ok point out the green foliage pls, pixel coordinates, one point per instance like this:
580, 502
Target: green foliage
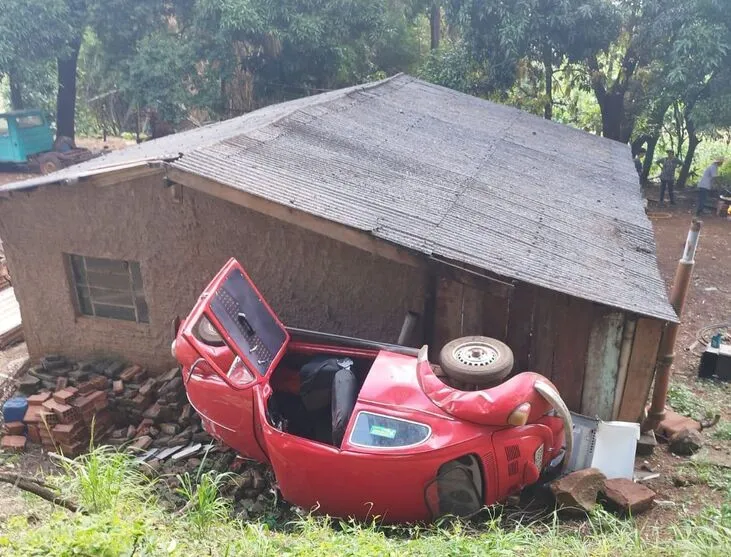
106, 479
686, 402
452, 66
722, 431
204, 506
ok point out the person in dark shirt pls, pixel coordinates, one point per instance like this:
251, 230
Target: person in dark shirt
667, 176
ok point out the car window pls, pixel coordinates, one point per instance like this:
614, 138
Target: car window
29, 121
3, 126
376, 430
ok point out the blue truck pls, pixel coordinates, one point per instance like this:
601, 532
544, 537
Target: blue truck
26, 138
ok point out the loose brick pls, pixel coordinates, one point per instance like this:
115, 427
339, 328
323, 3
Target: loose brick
34, 434
131, 430
185, 414
141, 443
118, 387
147, 387
94, 384
170, 429
38, 399
132, 373
15, 443
61, 383
48, 419
152, 412
15, 428
66, 395
32, 415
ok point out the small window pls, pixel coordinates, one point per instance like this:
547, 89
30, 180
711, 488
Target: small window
4, 127
29, 121
374, 430
109, 288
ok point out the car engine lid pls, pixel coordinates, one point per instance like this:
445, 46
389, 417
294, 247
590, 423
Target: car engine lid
252, 328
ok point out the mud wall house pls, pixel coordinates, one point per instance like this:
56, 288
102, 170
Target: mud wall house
349, 209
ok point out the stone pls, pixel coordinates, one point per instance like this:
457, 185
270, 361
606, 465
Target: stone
675, 423
646, 444
114, 369
173, 385
118, 387
169, 429
578, 490
29, 384
686, 442
627, 496
153, 412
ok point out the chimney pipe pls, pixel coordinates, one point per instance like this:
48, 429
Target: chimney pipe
666, 352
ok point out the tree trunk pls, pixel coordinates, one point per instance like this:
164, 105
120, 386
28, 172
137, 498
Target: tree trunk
66, 98
649, 157
612, 107
435, 20
693, 142
16, 91
548, 70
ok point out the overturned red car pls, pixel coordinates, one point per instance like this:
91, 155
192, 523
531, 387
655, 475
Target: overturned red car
355, 428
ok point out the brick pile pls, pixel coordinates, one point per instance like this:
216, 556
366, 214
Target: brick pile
71, 405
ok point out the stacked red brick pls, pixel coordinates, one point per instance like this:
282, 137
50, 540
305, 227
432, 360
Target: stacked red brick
69, 419
139, 410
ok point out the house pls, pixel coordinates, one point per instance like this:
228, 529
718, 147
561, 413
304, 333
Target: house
350, 209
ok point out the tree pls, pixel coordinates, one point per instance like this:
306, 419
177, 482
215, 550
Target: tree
30, 31
543, 31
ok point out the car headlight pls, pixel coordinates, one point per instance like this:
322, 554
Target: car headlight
172, 349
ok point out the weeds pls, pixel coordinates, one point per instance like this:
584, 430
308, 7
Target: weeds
204, 505
104, 479
686, 402
722, 431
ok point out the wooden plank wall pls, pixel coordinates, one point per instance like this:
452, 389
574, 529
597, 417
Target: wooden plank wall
578, 345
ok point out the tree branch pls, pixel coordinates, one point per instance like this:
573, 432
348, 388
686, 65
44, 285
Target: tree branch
39, 489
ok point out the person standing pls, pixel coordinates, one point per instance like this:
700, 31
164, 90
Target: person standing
667, 176
705, 184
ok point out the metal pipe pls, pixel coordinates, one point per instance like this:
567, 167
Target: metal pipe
408, 329
666, 352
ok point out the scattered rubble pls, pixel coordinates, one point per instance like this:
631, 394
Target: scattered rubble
627, 496
578, 491
686, 442
646, 444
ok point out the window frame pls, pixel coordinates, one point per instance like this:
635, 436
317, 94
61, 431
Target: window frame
22, 121
132, 276
427, 436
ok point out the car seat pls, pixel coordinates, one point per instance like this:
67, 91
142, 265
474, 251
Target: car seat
344, 397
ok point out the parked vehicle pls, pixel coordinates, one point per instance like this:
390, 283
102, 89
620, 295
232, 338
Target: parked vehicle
26, 138
359, 428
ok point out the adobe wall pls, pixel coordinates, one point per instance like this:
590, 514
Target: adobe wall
311, 281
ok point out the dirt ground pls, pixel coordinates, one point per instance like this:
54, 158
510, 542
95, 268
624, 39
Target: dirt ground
708, 303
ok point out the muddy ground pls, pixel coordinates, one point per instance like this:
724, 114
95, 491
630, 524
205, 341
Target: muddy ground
709, 302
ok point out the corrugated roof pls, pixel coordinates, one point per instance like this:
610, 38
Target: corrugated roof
444, 174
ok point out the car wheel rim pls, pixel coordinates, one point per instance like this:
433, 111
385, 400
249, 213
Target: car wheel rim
474, 354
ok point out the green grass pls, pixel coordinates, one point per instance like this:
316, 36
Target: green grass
722, 431
684, 401
123, 519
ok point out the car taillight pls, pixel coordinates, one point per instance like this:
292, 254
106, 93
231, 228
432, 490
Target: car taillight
519, 416
239, 374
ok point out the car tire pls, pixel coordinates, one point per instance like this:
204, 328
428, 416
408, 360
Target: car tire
49, 162
476, 360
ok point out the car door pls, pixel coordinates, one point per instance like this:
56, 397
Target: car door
231, 342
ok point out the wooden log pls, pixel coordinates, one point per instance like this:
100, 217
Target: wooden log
520, 325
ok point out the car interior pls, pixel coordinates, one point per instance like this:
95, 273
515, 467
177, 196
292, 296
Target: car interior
314, 395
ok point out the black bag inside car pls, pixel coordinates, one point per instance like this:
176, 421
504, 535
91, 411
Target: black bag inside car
316, 381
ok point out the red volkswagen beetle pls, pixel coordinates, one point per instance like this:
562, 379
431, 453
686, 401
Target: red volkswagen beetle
354, 428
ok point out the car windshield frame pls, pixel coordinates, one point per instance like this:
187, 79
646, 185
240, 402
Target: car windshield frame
424, 438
